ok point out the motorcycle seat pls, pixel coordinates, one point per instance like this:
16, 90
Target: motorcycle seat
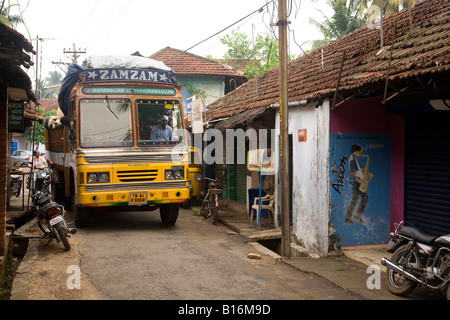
421, 235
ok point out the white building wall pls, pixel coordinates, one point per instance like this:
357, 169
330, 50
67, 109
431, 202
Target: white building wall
310, 191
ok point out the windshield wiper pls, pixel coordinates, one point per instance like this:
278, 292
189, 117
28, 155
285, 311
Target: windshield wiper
107, 101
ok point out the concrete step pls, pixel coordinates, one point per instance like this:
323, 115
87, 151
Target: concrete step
368, 255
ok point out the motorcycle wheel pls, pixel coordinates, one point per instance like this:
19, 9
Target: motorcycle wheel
206, 212
214, 215
63, 236
396, 282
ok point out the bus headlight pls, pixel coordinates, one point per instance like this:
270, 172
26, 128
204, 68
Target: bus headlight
98, 177
178, 174
174, 174
168, 175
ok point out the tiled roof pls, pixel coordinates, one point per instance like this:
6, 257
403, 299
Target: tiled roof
48, 104
13, 55
31, 113
188, 64
422, 47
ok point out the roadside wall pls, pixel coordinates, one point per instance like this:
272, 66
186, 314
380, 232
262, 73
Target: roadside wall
310, 192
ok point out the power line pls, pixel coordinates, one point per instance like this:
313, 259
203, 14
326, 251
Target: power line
260, 9
98, 32
87, 20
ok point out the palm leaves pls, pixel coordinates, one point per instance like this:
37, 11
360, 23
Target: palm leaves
350, 15
11, 20
343, 21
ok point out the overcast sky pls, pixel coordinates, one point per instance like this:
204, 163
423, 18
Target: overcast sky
121, 27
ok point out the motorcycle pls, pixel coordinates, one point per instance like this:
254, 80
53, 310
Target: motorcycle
15, 187
42, 177
419, 259
50, 215
51, 220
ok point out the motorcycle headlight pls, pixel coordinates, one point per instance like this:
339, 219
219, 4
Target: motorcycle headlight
98, 177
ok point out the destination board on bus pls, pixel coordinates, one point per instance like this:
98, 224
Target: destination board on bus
117, 74
128, 90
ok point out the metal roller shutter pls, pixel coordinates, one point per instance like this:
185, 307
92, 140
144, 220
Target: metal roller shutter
241, 183
427, 171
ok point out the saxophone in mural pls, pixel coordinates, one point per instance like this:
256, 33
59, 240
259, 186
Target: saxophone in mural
367, 176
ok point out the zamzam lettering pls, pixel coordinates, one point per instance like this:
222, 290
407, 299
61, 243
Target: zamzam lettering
340, 175
126, 74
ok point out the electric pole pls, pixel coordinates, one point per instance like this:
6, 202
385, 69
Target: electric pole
284, 131
59, 63
74, 53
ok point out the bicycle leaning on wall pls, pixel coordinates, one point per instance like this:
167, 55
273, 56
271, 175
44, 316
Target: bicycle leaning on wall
210, 205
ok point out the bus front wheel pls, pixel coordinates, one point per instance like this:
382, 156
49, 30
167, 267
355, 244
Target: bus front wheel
169, 213
82, 217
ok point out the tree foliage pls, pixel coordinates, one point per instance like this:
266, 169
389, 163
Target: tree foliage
36, 132
343, 21
251, 57
349, 15
11, 20
54, 78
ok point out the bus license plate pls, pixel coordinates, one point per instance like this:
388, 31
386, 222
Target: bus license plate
137, 198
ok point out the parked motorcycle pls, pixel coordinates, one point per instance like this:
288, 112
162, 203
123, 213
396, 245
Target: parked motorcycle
15, 186
50, 214
42, 177
51, 220
16, 180
419, 258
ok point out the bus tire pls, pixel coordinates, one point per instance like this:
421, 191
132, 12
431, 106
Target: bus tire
169, 213
82, 217
186, 204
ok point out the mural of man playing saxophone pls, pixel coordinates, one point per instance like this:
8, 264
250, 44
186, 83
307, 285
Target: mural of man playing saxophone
361, 178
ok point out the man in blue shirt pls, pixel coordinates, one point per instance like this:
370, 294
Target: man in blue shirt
162, 131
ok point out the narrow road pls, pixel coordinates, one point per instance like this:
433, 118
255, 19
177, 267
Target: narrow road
133, 256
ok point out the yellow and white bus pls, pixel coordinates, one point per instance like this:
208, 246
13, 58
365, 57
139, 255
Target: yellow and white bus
103, 153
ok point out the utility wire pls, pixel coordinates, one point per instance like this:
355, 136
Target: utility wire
260, 9
86, 22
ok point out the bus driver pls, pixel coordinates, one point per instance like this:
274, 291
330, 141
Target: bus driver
162, 131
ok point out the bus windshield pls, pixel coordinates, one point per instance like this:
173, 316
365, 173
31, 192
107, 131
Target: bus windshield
159, 122
105, 122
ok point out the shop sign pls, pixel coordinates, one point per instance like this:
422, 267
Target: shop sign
16, 120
